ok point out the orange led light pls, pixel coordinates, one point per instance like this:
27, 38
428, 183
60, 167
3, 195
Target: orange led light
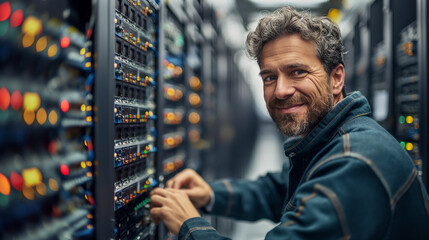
4, 185
41, 44
29, 117
27, 40
52, 51
41, 116
53, 185
53, 117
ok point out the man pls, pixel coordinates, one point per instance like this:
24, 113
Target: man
348, 178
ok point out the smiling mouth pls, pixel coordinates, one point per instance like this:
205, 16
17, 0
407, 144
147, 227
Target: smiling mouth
289, 109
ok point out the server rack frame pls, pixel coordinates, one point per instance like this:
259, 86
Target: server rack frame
422, 26
104, 135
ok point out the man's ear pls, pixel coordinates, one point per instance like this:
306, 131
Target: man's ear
337, 78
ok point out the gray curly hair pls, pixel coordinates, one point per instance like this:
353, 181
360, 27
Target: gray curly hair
321, 30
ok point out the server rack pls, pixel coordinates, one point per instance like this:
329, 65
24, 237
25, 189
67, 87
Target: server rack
47, 120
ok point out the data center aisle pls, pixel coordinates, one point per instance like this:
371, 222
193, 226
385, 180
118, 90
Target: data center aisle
268, 156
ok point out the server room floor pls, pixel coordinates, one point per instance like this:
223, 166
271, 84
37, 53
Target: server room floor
268, 156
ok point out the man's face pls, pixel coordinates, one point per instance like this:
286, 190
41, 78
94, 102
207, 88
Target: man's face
296, 87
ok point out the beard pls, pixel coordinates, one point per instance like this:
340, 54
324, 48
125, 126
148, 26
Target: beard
294, 124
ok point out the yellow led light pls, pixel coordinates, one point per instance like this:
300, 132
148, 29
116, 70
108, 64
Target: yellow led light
27, 40
53, 117
53, 184
31, 176
170, 141
31, 101
41, 116
88, 118
32, 26
170, 92
82, 51
83, 164
409, 146
409, 119
170, 116
52, 51
29, 117
88, 108
41, 44
88, 64
82, 107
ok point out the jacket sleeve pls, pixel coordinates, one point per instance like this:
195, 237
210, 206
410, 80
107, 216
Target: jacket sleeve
341, 200
240, 198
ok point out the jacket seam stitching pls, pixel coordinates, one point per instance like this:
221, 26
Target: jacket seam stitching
359, 157
335, 117
359, 115
404, 188
231, 197
422, 190
196, 229
346, 143
301, 208
337, 206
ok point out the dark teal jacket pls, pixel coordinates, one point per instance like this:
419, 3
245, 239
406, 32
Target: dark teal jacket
348, 179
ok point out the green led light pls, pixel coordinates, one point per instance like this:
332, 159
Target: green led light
4, 26
145, 151
403, 144
402, 119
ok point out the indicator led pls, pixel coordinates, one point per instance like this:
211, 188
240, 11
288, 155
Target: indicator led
83, 107
4, 185
4, 99
82, 51
53, 117
31, 101
402, 119
65, 105
32, 26
409, 119
83, 164
31, 176
194, 118
52, 51
41, 116
27, 40
4, 11
409, 146
65, 42
53, 184
64, 169
402, 144
16, 100
16, 181
41, 44
16, 18
28, 193
29, 117
41, 189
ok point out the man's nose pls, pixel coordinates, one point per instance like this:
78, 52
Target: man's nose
284, 88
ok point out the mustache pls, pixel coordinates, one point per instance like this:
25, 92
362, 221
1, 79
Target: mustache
281, 103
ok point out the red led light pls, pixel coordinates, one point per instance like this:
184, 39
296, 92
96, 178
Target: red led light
4, 99
52, 148
16, 100
65, 42
4, 11
16, 181
64, 169
16, 18
65, 106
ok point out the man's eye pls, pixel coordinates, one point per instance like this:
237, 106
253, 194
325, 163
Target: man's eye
269, 78
299, 73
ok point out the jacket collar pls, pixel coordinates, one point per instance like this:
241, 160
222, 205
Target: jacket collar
354, 105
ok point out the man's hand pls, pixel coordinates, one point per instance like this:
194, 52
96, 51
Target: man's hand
198, 191
172, 207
